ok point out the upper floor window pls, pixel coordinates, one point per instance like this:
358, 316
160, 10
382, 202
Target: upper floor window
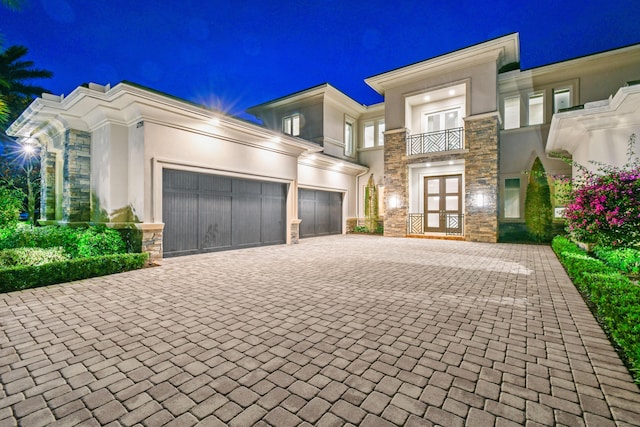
348, 137
373, 134
291, 125
536, 108
561, 99
512, 112
442, 120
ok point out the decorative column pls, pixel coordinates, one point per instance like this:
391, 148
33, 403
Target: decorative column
47, 185
152, 241
395, 183
481, 178
76, 188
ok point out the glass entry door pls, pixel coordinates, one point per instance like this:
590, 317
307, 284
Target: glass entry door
443, 204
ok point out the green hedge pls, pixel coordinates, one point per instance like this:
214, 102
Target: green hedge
77, 242
16, 278
626, 260
31, 256
614, 299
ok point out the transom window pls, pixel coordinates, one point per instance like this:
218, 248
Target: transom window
291, 125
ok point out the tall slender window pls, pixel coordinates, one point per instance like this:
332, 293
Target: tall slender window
512, 198
291, 125
512, 112
348, 138
536, 108
381, 132
369, 135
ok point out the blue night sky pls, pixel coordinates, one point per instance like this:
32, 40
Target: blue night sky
235, 54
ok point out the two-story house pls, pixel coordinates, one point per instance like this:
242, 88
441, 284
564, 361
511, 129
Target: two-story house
449, 148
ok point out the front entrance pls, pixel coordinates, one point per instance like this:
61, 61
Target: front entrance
443, 204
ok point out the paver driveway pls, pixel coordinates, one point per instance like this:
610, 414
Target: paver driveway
344, 330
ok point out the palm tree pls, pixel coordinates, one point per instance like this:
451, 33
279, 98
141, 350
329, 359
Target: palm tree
13, 4
15, 74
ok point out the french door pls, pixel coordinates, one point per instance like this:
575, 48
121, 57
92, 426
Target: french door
443, 204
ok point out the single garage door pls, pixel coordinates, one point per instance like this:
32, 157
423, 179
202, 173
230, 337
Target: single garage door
320, 212
204, 213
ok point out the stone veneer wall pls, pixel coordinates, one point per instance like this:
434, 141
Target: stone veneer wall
76, 189
47, 185
395, 183
152, 241
481, 178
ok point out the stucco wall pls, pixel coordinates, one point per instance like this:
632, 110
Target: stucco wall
212, 155
482, 91
320, 178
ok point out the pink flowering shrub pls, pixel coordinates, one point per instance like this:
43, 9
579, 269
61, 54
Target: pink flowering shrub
604, 207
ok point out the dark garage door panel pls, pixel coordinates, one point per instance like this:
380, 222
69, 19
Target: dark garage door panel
205, 213
320, 212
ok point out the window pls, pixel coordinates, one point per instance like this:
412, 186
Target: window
512, 112
369, 135
512, 198
561, 99
443, 120
291, 125
373, 134
348, 137
536, 108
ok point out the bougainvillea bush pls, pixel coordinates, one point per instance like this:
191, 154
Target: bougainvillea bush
604, 207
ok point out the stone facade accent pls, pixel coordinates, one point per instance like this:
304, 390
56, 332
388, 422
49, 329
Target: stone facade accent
295, 231
481, 178
76, 189
47, 185
395, 183
152, 241
351, 224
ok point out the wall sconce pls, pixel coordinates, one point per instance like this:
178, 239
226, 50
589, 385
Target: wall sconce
479, 202
394, 201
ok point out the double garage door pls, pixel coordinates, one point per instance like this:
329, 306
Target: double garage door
204, 213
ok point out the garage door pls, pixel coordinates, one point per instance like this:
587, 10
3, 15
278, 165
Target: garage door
320, 212
205, 213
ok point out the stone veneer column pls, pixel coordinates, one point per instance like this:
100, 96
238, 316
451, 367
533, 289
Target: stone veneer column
295, 231
47, 185
76, 189
481, 178
152, 241
395, 183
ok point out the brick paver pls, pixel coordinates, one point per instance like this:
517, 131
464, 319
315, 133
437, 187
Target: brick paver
341, 330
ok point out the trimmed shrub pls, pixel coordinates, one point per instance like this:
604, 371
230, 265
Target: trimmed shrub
612, 297
96, 241
537, 205
77, 242
16, 278
31, 256
626, 260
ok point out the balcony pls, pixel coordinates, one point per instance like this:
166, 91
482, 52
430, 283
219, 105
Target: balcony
435, 142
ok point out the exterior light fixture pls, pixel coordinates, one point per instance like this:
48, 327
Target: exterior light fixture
480, 202
394, 201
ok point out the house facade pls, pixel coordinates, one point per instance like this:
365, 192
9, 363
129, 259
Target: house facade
449, 150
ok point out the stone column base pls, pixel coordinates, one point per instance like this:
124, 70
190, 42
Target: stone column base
295, 231
152, 241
